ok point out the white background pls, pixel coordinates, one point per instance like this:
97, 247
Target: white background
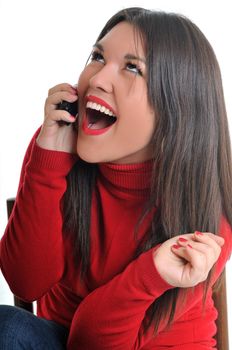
47, 42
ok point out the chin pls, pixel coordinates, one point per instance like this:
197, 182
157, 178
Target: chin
91, 153
89, 156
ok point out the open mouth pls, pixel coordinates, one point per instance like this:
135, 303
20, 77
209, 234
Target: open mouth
98, 118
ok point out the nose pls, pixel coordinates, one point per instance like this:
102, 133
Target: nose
103, 79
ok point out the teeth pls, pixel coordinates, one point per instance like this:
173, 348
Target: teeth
98, 107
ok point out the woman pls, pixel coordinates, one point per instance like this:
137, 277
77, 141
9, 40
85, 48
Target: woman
122, 222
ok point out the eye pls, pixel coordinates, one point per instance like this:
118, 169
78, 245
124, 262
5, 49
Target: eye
131, 67
97, 56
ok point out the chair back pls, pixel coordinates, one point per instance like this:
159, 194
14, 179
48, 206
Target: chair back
17, 301
220, 302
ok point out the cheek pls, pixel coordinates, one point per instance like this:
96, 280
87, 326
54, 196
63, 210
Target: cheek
140, 118
83, 80
136, 132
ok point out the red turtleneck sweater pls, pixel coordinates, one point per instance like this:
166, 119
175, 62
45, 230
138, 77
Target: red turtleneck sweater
106, 310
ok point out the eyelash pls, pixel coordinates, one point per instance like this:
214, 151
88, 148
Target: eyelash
134, 67
96, 56
131, 67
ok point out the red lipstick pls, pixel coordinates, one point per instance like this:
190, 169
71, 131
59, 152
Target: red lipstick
100, 102
86, 123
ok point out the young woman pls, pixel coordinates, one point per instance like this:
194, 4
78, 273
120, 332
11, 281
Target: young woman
122, 222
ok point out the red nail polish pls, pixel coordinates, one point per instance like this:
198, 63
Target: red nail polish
198, 233
176, 246
181, 239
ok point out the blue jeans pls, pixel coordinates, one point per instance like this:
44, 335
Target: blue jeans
20, 329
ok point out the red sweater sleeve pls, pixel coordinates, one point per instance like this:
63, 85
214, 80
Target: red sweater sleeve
32, 243
111, 316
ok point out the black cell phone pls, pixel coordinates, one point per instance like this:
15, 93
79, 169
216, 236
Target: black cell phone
71, 107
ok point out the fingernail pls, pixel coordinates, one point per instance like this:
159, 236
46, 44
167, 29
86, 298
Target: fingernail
176, 246
181, 239
198, 233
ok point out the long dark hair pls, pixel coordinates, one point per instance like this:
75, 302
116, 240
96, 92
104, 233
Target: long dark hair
192, 181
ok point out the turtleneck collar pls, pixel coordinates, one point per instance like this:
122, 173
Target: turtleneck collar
127, 179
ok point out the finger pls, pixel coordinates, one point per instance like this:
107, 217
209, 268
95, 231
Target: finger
61, 96
209, 242
183, 241
183, 251
196, 268
211, 251
53, 100
59, 116
207, 236
62, 87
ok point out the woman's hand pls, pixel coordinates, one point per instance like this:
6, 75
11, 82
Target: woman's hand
185, 260
55, 134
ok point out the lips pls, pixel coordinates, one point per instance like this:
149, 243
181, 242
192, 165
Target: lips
99, 116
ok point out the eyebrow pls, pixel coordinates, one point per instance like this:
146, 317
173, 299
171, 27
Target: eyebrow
127, 56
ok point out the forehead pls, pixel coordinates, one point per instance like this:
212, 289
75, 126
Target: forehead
124, 36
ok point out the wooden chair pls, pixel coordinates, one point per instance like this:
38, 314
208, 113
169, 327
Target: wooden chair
18, 302
220, 301
219, 297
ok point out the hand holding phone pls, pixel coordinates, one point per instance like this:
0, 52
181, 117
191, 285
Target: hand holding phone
54, 134
71, 107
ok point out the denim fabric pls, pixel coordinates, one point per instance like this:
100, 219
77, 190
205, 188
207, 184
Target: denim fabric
20, 329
